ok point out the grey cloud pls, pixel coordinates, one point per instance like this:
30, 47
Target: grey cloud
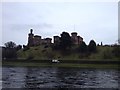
28, 26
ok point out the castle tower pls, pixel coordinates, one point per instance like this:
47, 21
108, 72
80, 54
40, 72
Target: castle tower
37, 40
80, 39
48, 40
31, 38
74, 34
74, 38
56, 39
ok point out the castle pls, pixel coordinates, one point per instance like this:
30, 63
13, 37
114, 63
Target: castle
36, 40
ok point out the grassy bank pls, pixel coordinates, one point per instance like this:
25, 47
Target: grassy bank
69, 65
43, 52
40, 56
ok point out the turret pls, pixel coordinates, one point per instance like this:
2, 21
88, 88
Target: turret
56, 39
31, 30
74, 34
31, 38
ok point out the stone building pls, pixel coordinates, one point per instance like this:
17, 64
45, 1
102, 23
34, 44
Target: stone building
31, 38
80, 39
46, 41
36, 40
56, 39
75, 39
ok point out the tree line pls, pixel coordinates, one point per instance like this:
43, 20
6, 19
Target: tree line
10, 50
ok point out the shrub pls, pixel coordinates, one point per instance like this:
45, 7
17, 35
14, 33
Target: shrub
30, 57
25, 48
92, 46
10, 50
107, 54
82, 48
19, 47
116, 51
10, 53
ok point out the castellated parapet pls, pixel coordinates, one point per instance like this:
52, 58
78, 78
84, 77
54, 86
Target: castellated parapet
75, 39
56, 39
36, 40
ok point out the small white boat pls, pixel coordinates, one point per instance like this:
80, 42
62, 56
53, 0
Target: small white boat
55, 61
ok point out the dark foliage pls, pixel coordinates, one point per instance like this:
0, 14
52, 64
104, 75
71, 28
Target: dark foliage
101, 44
43, 50
83, 48
19, 47
92, 46
9, 51
116, 50
10, 44
55, 47
46, 46
65, 41
107, 54
30, 57
25, 48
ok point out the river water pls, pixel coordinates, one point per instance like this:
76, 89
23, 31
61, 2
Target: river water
53, 77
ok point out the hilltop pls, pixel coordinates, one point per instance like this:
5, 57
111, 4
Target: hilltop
76, 56
65, 47
44, 52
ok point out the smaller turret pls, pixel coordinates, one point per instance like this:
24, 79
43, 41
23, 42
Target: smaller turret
31, 38
74, 34
56, 39
31, 30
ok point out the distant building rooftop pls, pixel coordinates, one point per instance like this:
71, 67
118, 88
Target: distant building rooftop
74, 33
37, 36
48, 38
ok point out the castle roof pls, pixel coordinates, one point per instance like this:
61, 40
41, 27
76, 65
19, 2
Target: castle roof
56, 36
37, 36
74, 33
48, 38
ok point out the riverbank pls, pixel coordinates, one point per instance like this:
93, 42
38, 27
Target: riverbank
46, 52
69, 64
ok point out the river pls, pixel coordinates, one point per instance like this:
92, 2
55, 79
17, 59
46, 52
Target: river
53, 77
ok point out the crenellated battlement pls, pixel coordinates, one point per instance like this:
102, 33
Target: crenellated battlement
35, 40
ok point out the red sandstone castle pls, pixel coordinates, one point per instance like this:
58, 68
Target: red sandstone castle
37, 40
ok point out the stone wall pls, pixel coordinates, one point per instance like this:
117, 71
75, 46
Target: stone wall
36, 40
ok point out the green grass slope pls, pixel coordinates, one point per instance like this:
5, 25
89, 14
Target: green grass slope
42, 52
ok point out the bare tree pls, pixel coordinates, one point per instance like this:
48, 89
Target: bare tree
10, 44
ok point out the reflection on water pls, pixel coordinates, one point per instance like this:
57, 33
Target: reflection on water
26, 77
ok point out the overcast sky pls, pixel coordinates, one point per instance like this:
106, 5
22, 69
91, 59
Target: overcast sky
91, 20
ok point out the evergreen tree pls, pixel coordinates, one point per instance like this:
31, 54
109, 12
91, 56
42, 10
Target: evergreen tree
65, 41
83, 47
101, 44
92, 46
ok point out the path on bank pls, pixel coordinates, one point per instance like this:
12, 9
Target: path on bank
66, 61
